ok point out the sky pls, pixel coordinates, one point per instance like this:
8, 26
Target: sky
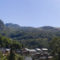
34, 13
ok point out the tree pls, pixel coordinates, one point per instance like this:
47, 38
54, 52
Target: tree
12, 54
55, 47
1, 55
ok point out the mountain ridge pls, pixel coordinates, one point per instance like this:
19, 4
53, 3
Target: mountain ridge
30, 36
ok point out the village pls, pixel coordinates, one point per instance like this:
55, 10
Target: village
37, 53
30, 54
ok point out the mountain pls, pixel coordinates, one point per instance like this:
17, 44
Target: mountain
1, 25
12, 26
20, 32
47, 27
29, 36
16, 27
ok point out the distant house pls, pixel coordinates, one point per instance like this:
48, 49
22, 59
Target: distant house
32, 51
29, 51
25, 51
44, 50
38, 50
37, 53
5, 51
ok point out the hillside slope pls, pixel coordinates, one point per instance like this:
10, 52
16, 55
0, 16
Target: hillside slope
29, 36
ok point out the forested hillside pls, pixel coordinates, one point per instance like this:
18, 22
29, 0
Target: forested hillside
29, 36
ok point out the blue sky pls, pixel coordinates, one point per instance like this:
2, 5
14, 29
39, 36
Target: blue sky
33, 13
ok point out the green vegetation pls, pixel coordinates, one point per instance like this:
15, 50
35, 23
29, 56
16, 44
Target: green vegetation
13, 44
55, 48
19, 37
6, 43
14, 56
28, 36
11, 56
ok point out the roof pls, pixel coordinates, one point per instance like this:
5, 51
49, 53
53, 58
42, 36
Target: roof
44, 49
32, 50
27, 49
38, 49
7, 49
